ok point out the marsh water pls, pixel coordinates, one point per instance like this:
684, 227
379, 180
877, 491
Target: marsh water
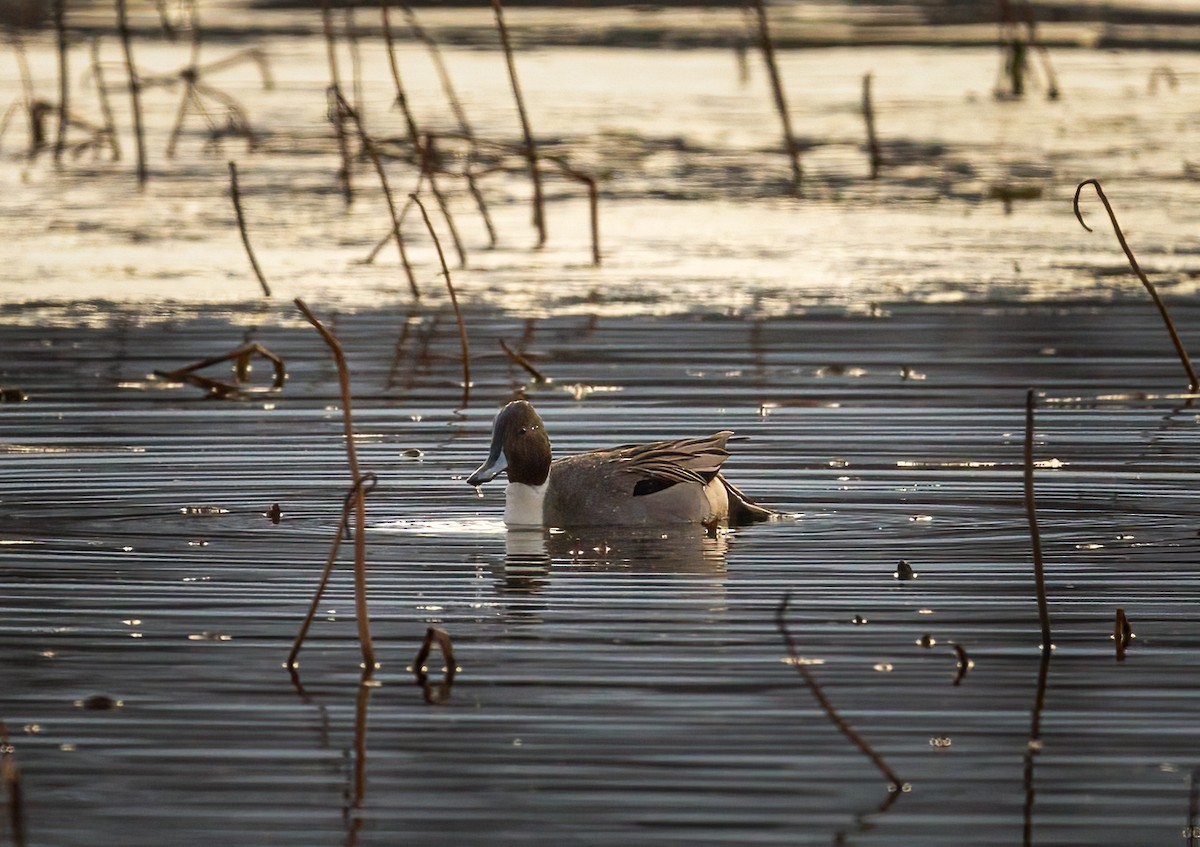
871, 343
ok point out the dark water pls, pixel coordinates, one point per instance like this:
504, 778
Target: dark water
613, 690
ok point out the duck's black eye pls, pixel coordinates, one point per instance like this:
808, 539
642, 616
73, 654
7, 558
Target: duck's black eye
524, 430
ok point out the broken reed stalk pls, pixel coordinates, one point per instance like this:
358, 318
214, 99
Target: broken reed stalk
868, 110
462, 327
64, 82
1193, 381
1122, 634
838, 721
241, 357
335, 87
343, 108
364, 486
135, 90
520, 360
439, 636
360, 511
10, 775
241, 222
539, 204
1035, 537
768, 51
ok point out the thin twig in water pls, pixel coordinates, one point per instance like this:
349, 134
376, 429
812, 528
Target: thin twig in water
241, 222
1035, 536
368, 144
539, 204
360, 512
802, 668
462, 327
1193, 381
768, 51
135, 88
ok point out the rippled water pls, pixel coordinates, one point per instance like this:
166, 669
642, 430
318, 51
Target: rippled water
612, 689
871, 343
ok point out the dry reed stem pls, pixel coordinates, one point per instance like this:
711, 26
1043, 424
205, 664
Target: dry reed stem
520, 360
439, 65
462, 327
361, 701
364, 486
135, 89
369, 146
110, 124
10, 775
356, 77
414, 134
531, 155
64, 81
360, 512
768, 51
1034, 746
429, 166
236, 196
1193, 382
593, 201
335, 87
868, 110
838, 721
1035, 537
408, 204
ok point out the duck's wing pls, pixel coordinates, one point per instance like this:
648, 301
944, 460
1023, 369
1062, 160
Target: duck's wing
661, 464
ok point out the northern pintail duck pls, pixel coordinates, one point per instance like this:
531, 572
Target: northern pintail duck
660, 483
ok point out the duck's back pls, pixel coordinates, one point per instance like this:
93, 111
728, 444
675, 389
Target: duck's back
597, 489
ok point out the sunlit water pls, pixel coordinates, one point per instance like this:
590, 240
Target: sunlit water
872, 343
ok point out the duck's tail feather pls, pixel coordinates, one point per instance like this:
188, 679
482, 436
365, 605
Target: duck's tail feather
742, 509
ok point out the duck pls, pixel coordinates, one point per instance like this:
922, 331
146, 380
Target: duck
660, 483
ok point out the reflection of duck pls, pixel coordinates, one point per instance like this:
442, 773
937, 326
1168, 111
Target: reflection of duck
656, 484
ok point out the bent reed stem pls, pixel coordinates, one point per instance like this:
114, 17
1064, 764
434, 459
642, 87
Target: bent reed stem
1193, 381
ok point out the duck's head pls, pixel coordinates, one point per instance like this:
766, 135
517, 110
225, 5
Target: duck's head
519, 445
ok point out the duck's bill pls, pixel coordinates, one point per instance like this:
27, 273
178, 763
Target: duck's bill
489, 470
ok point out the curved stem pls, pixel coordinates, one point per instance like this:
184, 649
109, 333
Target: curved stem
1193, 381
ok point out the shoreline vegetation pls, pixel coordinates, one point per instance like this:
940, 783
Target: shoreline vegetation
675, 24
